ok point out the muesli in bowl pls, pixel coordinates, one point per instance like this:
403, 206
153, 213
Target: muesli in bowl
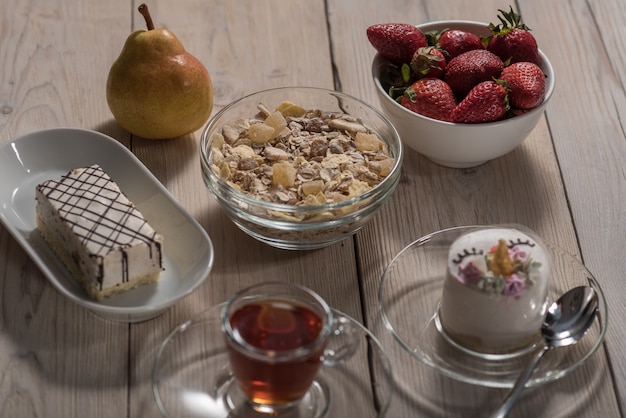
300, 167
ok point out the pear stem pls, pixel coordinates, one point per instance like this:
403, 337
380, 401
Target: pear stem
143, 9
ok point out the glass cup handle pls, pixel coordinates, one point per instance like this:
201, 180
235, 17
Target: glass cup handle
342, 344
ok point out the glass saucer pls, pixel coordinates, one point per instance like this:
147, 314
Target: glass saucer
191, 377
409, 297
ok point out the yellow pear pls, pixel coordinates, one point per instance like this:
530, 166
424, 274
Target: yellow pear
156, 89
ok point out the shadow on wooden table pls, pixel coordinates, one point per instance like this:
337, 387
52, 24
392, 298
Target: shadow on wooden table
445, 397
52, 335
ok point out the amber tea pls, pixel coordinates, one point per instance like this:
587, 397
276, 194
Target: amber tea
275, 326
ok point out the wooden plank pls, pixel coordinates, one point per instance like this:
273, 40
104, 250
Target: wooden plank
51, 349
585, 120
523, 187
59, 360
246, 46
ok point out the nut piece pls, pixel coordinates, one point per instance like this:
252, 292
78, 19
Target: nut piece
277, 121
260, 133
345, 125
275, 154
233, 130
367, 142
289, 109
284, 174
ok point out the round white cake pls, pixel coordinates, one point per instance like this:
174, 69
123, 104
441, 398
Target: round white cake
495, 291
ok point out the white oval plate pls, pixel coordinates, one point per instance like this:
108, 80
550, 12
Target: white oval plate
47, 154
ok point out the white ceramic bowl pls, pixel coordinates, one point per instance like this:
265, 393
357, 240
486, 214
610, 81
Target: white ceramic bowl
460, 145
278, 224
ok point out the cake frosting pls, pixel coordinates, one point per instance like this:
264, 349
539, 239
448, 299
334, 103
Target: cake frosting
495, 291
98, 232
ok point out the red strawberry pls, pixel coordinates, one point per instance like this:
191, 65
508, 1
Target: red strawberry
430, 97
428, 62
397, 42
455, 42
470, 68
512, 40
526, 83
487, 102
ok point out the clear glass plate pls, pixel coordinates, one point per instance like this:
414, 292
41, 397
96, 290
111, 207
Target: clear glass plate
191, 377
409, 297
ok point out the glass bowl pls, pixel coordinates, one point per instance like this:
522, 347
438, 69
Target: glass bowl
295, 226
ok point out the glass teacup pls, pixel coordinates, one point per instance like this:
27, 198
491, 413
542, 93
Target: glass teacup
277, 335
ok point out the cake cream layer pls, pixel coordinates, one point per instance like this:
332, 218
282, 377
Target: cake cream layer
486, 310
98, 232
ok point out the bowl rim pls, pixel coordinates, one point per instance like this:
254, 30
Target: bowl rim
386, 184
545, 65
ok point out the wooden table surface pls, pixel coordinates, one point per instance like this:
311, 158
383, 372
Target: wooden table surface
566, 181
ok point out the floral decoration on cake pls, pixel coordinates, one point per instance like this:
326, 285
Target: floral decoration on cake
505, 269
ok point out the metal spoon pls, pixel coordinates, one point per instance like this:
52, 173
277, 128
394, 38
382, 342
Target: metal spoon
567, 320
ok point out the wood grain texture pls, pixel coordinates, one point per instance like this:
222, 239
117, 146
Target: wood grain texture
523, 187
566, 182
246, 49
590, 140
57, 359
